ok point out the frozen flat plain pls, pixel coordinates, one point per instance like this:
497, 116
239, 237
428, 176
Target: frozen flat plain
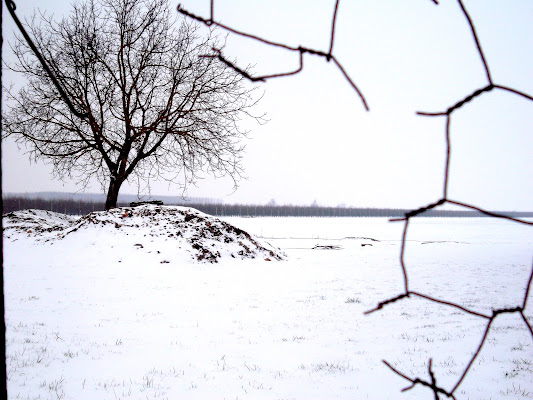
97, 318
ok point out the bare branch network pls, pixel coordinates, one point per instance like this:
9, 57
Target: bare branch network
136, 99
431, 384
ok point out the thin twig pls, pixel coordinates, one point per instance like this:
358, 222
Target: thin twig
11, 7
478, 45
508, 89
448, 154
528, 286
474, 356
433, 386
527, 323
489, 213
402, 257
333, 29
447, 303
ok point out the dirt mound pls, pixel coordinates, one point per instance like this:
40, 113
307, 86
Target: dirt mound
35, 222
205, 237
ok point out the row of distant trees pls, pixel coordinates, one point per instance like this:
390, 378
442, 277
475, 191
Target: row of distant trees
82, 207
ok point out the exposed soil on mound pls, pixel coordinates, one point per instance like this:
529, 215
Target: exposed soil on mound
205, 237
35, 222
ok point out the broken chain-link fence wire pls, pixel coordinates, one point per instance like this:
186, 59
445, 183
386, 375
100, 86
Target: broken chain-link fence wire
217, 53
491, 85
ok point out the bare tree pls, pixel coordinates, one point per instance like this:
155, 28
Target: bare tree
149, 103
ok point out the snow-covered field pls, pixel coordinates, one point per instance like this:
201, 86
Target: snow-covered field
93, 315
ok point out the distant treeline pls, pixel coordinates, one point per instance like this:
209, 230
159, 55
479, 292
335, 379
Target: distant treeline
82, 207
64, 206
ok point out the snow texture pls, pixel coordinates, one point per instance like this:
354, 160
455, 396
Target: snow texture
90, 314
35, 223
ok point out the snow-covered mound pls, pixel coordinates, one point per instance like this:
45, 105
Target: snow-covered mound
35, 222
204, 237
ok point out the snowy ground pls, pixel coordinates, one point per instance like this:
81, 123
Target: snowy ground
92, 316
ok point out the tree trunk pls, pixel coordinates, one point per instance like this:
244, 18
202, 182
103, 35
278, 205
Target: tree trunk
112, 193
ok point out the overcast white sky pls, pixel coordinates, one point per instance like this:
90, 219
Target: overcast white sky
320, 143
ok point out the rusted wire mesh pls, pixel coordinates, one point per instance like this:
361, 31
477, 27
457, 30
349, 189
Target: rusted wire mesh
447, 114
